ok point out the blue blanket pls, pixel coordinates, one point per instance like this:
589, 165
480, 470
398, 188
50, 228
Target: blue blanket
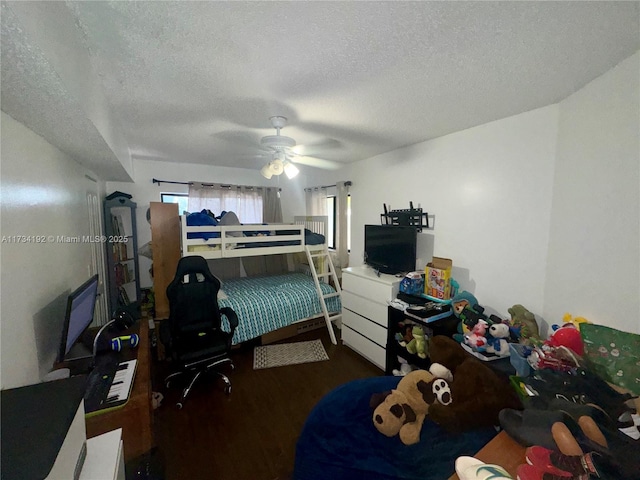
339, 441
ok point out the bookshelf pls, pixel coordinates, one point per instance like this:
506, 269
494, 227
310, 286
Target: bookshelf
122, 253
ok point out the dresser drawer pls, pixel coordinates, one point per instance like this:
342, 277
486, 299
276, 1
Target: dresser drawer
365, 327
364, 346
370, 289
367, 308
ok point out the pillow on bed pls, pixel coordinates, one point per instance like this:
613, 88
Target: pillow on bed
230, 218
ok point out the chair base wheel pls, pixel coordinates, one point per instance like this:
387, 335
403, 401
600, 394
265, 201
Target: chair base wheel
227, 389
179, 405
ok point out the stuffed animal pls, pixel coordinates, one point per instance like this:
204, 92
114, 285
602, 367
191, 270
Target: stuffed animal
402, 411
567, 318
405, 335
497, 340
418, 345
524, 325
465, 307
477, 340
475, 396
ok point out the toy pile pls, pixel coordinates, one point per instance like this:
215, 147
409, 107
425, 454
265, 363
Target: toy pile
488, 336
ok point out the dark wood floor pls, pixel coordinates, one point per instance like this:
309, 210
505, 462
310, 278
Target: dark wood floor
251, 434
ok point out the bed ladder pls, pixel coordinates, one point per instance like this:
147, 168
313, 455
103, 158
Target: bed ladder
327, 271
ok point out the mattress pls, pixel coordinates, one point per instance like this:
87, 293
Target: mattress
264, 304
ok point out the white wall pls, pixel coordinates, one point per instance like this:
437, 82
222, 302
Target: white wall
541, 209
489, 189
145, 191
43, 193
593, 265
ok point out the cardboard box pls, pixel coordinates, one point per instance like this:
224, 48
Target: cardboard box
437, 282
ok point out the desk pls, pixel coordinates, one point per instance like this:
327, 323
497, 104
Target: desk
503, 451
136, 416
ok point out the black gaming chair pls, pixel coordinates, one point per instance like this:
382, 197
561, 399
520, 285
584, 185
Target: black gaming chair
193, 336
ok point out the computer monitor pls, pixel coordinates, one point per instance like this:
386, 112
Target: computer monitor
81, 305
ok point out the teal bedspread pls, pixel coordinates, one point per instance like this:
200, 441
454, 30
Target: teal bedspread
264, 304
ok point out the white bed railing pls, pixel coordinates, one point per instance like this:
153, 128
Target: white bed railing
232, 240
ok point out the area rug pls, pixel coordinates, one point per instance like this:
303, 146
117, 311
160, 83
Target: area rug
288, 354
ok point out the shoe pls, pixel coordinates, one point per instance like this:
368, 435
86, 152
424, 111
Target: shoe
591, 465
470, 468
531, 472
531, 427
565, 440
575, 410
554, 462
582, 387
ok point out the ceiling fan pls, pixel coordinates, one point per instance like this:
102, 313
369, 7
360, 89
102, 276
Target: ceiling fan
280, 147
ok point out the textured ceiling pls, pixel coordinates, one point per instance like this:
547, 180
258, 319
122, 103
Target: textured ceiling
197, 81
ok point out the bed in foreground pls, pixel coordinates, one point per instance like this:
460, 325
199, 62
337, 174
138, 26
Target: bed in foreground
340, 442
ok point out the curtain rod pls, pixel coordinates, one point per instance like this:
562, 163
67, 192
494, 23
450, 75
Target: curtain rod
155, 180
346, 184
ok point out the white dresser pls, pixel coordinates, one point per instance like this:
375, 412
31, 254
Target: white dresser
364, 311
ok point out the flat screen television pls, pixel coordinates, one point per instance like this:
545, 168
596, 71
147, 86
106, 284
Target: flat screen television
390, 248
81, 305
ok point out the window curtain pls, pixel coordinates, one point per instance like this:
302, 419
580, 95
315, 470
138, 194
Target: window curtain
342, 232
271, 206
316, 200
245, 202
271, 213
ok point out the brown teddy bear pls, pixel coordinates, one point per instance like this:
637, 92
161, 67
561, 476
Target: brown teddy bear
475, 396
402, 410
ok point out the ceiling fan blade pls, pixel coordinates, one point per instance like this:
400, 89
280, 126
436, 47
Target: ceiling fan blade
316, 162
317, 147
256, 156
240, 139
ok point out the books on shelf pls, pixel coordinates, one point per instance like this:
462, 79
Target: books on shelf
120, 252
125, 273
123, 298
118, 225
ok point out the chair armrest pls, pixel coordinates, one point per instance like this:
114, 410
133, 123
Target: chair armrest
165, 333
231, 317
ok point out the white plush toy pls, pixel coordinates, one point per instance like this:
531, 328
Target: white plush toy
497, 342
440, 371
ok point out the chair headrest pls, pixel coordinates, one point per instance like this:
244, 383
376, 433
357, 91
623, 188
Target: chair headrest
194, 264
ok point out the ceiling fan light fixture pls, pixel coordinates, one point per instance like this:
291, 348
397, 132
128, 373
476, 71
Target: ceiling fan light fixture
277, 167
266, 171
291, 170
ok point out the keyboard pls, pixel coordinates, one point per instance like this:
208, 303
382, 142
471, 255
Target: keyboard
109, 385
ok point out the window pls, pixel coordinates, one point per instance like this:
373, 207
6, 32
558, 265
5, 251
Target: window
246, 202
331, 227
331, 230
182, 199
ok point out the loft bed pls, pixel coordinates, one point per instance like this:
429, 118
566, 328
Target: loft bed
267, 303
232, 241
